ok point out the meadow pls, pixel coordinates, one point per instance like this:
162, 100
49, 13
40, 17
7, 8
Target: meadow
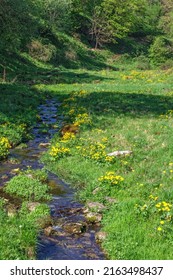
128, 110
108, 63
114, 109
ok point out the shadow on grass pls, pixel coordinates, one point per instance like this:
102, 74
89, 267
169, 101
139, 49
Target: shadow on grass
18, 103
70, 77
132, 104
22, 70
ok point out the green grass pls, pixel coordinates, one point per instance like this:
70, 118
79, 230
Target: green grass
19, 224
27, 188
115, 110
19, 231
126, 110
18, 113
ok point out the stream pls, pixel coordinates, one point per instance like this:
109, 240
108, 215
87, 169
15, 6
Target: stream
70, 237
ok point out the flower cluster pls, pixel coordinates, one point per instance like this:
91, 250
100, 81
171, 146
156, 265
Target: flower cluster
4, 147
111, 178
67, 136
57, 152
163, 206
73, 112
162, 211
152, 197
81, 119
134, 75
97, 152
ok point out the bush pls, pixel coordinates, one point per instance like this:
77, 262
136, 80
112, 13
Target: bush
161, 50
142, 62
41, 51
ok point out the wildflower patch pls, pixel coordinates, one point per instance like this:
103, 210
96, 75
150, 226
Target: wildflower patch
4, 147
57, 151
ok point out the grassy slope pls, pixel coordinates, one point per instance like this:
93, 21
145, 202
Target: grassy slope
18, 113
125, 107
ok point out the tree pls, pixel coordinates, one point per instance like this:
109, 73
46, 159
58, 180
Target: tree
99, 31
114, 19
166, 20
18, 23
147, 18
57, 14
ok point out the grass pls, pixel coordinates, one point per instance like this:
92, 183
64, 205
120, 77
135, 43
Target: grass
18, 113
28, 188
127, 110
23, 213
19, 231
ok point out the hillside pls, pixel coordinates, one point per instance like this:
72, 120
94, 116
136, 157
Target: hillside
86, 97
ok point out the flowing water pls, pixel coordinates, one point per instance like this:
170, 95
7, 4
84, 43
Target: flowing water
70, 237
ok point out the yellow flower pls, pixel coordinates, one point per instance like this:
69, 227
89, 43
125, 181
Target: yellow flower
111, 178
159, 229
108, 159
158, 205
104, 139
82, 92
68, 136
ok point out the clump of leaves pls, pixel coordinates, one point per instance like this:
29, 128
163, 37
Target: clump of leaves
28, 188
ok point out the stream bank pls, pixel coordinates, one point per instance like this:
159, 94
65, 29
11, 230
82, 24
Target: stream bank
69, 236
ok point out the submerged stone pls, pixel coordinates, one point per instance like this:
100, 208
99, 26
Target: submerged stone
75, 227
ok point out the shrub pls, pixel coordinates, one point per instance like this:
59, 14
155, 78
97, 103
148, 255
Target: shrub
41, 51
161, 50
142, 62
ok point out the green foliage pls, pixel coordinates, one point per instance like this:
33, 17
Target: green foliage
27, 188
17, 23
4, 147
57, 14
161, 50
41, 51
14, 133
165, 22
40, 211
146, 20
39, 174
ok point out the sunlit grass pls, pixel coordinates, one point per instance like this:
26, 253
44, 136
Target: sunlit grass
131, 110
114, 111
